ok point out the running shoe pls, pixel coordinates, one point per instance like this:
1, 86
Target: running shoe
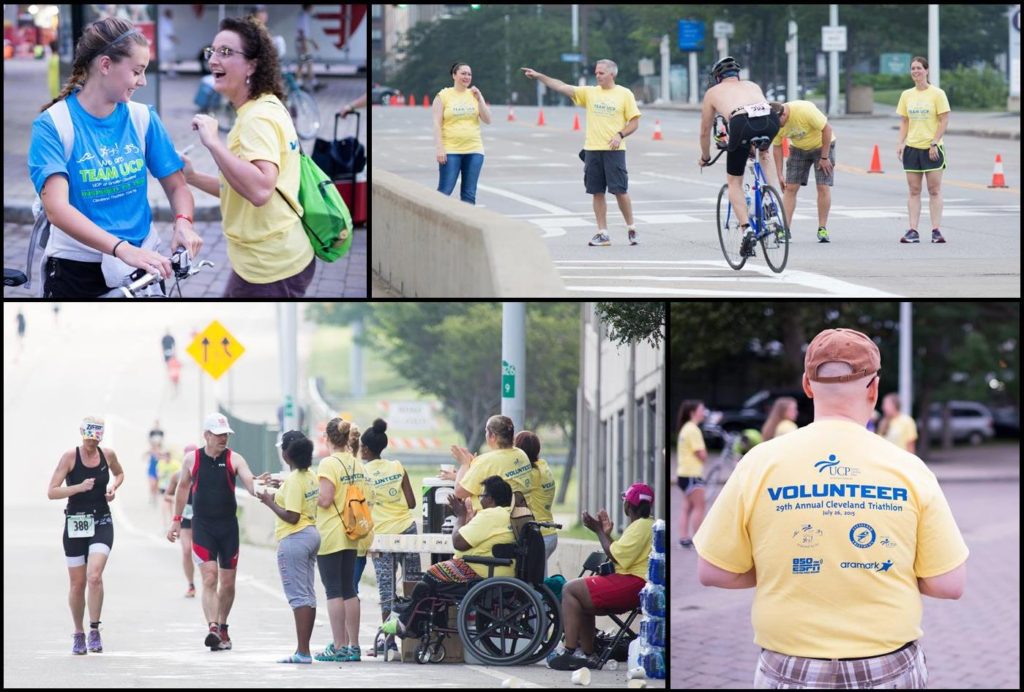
191, 593
225, 640
95, 644
822, 234
910, 236
593, 661
632, 237
213, 637
78, 648
937, 237
685, 542
297, 658
567, 661
352, 654
600, 240
329, 654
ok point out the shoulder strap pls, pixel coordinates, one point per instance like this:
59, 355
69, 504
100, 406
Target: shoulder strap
140, 119
61, 117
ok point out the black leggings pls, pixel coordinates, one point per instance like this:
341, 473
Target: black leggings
338, 573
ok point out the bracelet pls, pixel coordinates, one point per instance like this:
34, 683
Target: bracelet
176, 517
187, 218
113, 251
621, 136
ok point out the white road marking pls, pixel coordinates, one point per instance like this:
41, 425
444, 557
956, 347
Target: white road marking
549, 208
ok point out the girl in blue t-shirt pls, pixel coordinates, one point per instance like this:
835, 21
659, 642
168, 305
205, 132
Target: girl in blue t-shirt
96, 199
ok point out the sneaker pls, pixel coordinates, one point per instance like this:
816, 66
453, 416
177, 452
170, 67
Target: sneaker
353, 655
95, 644
213, 637
328, 655
225, 640
567, 661
297, 658
600, 240
937, 237
558, 651
632, 236
593, 661
78, 648
822, 234
747, 245
191, 593
685, 542
910, 236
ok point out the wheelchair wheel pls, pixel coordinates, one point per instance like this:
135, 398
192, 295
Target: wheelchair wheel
553, 628
502, 621
437, 651
423, 652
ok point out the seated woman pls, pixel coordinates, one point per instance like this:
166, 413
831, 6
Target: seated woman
584, 598
474, 534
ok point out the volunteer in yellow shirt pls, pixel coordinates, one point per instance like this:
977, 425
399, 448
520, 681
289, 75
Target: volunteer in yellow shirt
503, 459
294, 504
924, 117
336, 558
612, 116
616, 592
781, 419
258, 184
458, 112
393, 505
542, 493
835, 527
474, 536
690, 455
807, 127
897, 427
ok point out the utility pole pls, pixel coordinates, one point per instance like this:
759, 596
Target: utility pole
286, 335
513, 362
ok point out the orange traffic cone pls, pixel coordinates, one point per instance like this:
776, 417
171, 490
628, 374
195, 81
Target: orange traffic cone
511, 114
576, 122
426, 101
657, 131
412, 100
540, 120
998, 179
394, 100
785, 147
876, 162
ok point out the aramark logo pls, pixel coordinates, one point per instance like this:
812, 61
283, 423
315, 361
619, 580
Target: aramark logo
834, 469
873, 566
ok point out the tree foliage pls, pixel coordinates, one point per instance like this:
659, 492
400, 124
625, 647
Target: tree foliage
633, 322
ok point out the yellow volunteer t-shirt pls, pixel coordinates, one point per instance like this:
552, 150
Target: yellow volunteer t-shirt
512, 464
460, 124
542, 495
608, 111
488, 528
632, 551
691, 440
342, 470
298, 493
839, 524
922, 109
803, 126
267, 243
785, 426
902, 430
391, 514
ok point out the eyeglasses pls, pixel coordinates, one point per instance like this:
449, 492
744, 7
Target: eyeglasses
223, 52
483, 495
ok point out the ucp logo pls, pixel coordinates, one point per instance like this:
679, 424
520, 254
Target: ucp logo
834, 469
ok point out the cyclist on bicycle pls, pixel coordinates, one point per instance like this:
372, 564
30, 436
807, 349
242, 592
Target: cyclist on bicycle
743, 105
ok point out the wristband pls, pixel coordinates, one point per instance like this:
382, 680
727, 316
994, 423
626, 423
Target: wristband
621, 136
176, 517
113, 250
187, 218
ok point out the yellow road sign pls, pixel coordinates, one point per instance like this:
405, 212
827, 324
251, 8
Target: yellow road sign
215, 349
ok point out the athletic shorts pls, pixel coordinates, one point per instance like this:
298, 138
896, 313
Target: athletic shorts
904, 668
605, 169
741, 130
800, 162
690, 483
917, 161
615, 592
76, 549
215, 539
337, 572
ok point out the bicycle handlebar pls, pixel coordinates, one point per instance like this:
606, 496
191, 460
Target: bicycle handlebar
181, 265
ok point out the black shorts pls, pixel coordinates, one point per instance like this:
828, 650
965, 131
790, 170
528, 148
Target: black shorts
65, 278
605, 169
216, 539
917, 161
690, 483
75, 548
337, 572
741, 130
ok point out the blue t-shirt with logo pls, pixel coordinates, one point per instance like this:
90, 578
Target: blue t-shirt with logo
107, 172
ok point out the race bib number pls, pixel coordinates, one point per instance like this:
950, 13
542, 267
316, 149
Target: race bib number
758, 110
81, 526
187, 512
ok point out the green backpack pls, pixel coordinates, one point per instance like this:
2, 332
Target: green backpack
326, 219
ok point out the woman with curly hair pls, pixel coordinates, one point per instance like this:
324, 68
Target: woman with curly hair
258, 183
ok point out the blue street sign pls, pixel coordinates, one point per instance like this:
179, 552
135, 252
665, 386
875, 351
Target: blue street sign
691, 35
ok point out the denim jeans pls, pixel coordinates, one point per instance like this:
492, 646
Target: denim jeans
469, 165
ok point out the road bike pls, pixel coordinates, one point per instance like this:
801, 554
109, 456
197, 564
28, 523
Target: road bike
142, 284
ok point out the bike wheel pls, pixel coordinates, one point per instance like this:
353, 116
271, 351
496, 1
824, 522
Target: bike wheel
775, 230
305, 113
729, 236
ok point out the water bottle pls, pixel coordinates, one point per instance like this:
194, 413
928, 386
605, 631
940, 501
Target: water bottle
612, 664
654, 663
659, 536
653, 631
652, 600
656, 569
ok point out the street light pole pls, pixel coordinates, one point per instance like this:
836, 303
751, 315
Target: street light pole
513, 362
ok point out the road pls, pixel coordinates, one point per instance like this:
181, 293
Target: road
108, 363
533, 173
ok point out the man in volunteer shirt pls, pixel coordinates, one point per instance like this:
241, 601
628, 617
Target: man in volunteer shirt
616, 592
504, 460
807, 127
840, 532
612, 116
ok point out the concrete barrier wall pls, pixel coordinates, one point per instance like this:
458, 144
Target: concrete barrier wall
429, 245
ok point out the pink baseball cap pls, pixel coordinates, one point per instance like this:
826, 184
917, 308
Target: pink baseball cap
637, 493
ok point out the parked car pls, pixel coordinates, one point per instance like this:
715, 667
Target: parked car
969, 420
777, 92
1007, 421
754, 411
381, 95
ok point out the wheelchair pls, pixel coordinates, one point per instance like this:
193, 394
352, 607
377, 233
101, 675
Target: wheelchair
608, 646
501, 621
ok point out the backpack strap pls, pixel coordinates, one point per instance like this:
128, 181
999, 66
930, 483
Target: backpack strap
140, 119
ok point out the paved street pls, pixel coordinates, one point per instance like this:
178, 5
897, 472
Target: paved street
533, 173
970, 643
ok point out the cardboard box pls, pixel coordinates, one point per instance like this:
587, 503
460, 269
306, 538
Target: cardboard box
452, 643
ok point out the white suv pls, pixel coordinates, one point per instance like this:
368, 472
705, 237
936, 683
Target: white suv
969, 420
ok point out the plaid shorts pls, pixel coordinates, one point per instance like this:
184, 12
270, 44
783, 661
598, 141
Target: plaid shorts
800, 162
900, 669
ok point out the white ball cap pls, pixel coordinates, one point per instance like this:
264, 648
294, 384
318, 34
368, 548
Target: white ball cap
217, 424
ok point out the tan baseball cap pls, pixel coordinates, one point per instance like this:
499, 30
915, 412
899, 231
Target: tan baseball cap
842, 346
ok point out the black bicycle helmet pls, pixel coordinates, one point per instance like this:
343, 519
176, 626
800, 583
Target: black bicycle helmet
723, 67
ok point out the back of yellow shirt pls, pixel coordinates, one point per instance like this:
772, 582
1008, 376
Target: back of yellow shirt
460, 123
342, 470
542, 495
267, 243
608, 111
391, 513
803, 126
839, 524
691, 440
922, 109
902, 430
511, 464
